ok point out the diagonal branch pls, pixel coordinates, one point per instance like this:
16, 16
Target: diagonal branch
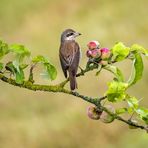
58, 88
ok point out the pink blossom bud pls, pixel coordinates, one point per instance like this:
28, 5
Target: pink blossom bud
88, 53
93, 113
106, 50
105, 117
96, 53
93, 44
105, 53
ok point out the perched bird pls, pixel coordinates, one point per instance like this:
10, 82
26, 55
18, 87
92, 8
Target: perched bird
69, 54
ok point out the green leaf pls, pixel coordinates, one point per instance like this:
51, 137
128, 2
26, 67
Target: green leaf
17, 72
40, 59
130, 110
23, 66
138, 48
120, 51
44, 75
116, 91
10, 67
16, 64
116, 71
19, 49
50, 69
137, 70
121, 110
19, 76
133, 102
21, 52
52, 72
1, 66
4, 49
143, 113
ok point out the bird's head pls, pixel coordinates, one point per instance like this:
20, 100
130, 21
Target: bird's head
69, 34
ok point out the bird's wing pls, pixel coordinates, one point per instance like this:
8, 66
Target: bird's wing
75, 59
69, 56
63, 65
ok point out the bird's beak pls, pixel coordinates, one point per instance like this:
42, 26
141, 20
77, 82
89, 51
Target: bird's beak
77, 34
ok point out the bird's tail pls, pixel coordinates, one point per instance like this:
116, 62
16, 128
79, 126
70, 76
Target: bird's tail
72, 79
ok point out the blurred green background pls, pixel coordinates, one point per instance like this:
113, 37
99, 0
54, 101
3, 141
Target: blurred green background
49, 120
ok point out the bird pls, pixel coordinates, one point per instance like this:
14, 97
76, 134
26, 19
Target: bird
69, 54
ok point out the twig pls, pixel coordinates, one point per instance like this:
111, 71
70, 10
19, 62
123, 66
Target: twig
30, 79
87, 69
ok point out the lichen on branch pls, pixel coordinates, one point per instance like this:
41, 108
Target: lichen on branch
98, 59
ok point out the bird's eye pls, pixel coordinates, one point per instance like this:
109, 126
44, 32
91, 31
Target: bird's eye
69, 34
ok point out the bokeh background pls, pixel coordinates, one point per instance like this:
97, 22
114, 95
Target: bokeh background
51, 120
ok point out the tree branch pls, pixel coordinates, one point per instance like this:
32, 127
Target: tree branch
59, 88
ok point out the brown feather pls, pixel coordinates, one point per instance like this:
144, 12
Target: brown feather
69, 58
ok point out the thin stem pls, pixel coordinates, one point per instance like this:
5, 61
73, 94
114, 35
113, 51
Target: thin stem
31, 73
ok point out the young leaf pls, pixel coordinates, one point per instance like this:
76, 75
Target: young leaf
1, 66
3, 49
121, 110
138, 48
10, 67
20, 51
50, 69
130, 110
116, 71
44, 75
120, 51
40, 59
23, 66
16, 64
116, 91
143, 113
137, 70
133, 102
52, 72
17, 72
19, 76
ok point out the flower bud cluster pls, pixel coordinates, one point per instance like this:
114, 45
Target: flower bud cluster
94, 113
94, 51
